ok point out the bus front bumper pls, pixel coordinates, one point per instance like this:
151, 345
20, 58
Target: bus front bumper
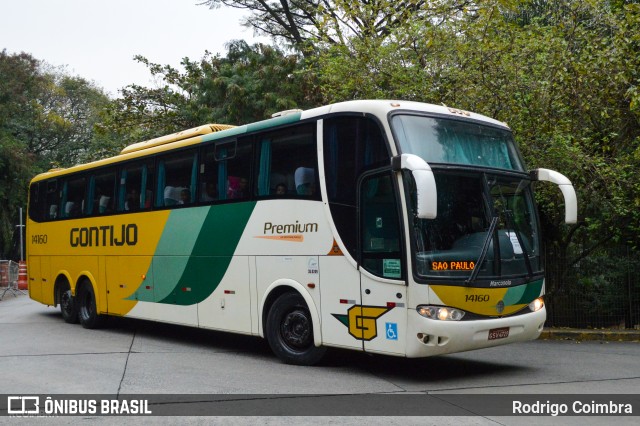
427, 337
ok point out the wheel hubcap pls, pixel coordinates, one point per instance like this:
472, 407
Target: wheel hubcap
66, 301
296, 330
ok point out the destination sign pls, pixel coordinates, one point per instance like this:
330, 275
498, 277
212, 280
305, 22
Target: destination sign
453, 265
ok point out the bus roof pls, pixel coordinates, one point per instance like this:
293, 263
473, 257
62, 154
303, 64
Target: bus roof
174, 137
209, 132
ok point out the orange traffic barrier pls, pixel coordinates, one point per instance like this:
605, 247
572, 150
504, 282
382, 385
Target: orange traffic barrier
23, 284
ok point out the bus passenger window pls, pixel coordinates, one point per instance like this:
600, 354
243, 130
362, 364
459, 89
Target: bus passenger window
36, 201
287, 163
238, 187
225, 172
103, 201
177, 179
305, 181
134, 190
102, 188
210, 192
185, 196
73, 197
52, 200
209, 176
132, 201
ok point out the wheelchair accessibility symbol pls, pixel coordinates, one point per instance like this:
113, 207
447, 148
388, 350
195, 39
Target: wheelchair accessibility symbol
392, 330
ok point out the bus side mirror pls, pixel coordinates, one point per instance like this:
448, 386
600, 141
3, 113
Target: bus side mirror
569, 193
426, 192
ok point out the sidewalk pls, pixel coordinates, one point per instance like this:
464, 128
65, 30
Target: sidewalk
605, 335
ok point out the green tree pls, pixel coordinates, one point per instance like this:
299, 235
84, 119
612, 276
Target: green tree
306, 25
248, 84
15, 171
562, 74
46, 116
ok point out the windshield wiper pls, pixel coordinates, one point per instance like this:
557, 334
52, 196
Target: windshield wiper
483, 253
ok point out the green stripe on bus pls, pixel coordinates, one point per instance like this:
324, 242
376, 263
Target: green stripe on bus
212, 252
274, 122
532, 292
514, 294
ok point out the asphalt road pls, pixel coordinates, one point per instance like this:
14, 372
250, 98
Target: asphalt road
41, 354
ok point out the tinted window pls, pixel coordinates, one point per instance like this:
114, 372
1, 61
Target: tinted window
352, 145
73, 197
177, 176
225, 173
135, 187
37, 195
380, 227
52, 200
288, 165
101, 193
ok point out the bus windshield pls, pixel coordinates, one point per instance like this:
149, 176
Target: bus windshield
481, 217
440, 141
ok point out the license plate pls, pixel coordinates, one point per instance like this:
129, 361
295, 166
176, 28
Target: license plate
498, 333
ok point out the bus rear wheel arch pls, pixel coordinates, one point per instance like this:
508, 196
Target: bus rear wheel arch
289, 331
87, 306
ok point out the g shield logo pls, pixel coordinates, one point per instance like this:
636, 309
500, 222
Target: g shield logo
361, 320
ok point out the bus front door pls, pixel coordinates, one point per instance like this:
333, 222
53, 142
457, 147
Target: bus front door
383, 316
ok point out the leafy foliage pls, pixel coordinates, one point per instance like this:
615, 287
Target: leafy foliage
247, 85
306, 25
562, 74
46, 116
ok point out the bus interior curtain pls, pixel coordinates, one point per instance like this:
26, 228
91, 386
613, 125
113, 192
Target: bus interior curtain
223, 185
368, 144
63, 203
264, 176
91, 195
462, 153
501, 155
332, 159
194, 177
143, 186
122, 190
161, 184
487, 151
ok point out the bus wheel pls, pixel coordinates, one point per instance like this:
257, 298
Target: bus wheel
290, 331
87, 309
68, 305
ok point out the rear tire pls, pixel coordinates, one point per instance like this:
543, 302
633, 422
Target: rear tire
87, 308
290, 331
68, 305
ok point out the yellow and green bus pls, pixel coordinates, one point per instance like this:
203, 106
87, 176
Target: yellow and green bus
389, 227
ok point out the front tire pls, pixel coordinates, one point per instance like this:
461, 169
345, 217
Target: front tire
87, 308
290, 331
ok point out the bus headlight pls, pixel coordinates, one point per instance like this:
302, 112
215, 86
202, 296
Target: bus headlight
441, 313
536, 305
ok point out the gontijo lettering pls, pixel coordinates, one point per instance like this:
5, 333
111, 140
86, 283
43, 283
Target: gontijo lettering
103, 236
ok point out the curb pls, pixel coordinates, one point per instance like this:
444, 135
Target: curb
582, 335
